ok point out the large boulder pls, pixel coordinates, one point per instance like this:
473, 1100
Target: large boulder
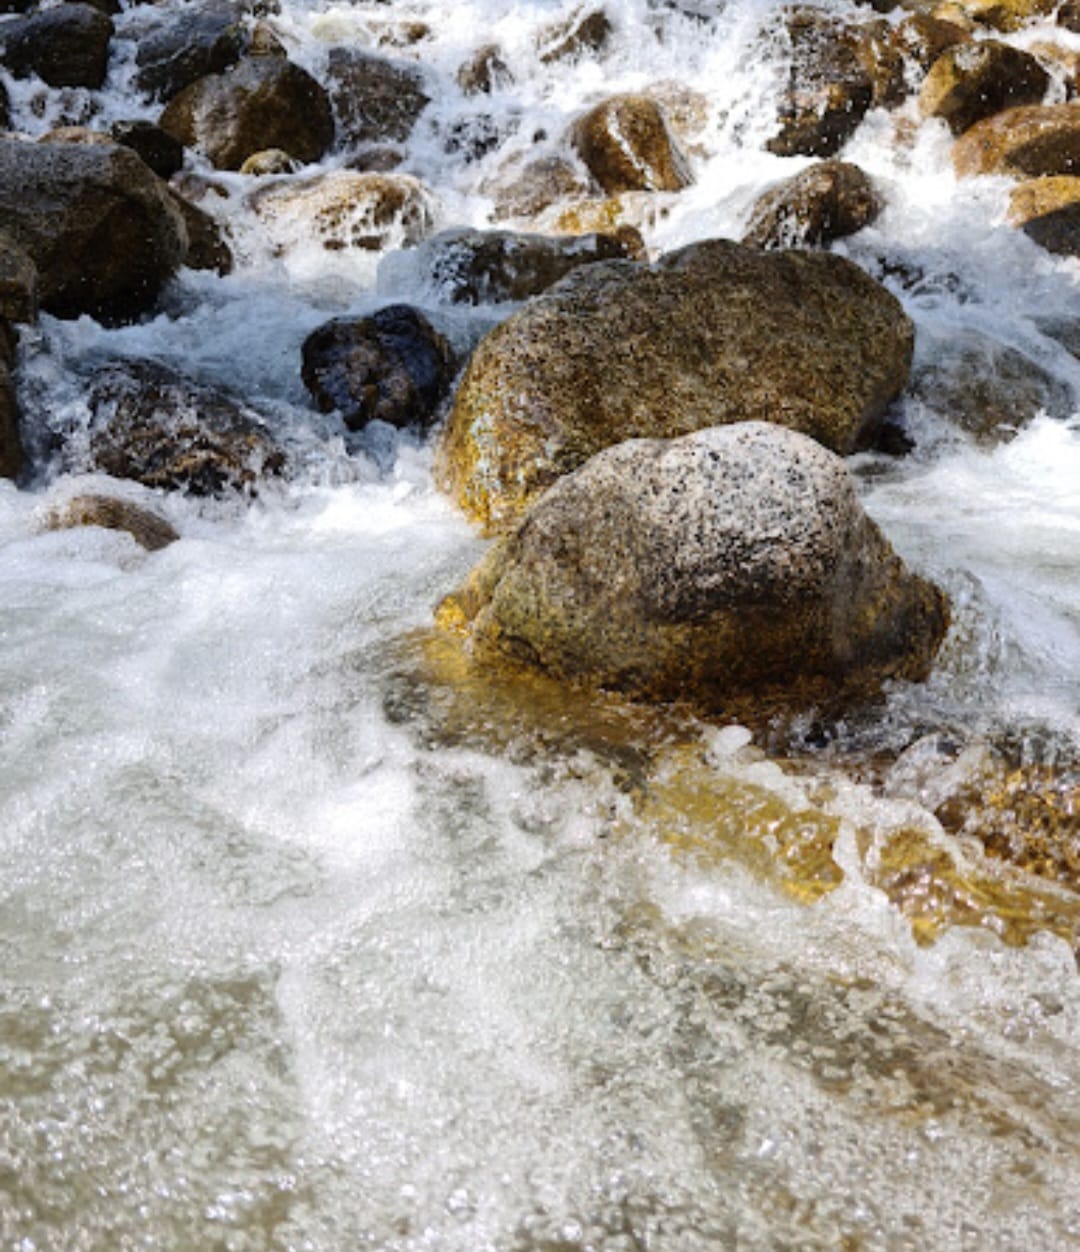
375, 100
393, 367
716, 333
1048, 211
971, 81
67, 46
827, 201
733, 561
157, 427
625, 143
1035, 140
100, 228
187, 45
262, 102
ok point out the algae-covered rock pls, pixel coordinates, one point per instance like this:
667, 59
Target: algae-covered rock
825, 202
716, 333
625, 143
147, 529
1034, 140
733, 561
972, 81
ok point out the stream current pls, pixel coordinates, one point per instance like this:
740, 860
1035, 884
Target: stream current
304, 945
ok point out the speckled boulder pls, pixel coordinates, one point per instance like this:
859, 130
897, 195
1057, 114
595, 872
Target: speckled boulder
971, 81
625, 143
734, 561
375, 100
67, 46
716, 333
824, 202
187, 44
262, 102
1035, 140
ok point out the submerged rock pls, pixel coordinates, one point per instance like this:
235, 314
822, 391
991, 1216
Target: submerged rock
716, 333
733, 561
625, 143
147, 529
538, 184
262, 102
823, 203
1035, 140
100, 227
392, 367
66, 46
483, 71
157, 427
975, 80
375, 100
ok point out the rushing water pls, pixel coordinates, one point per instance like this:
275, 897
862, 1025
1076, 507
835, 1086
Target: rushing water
309, 940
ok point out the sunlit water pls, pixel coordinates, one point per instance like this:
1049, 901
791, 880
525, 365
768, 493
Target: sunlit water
302, 947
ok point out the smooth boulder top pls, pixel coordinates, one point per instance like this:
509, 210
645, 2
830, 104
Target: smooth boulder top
733, 561
714, 333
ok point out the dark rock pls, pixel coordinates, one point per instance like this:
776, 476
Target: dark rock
155, 426
492, 266
1068, 15
98, 225
67, 46
484, 71
206, 247
823, 203
18, 283
923, 38
732, 562
198, 41
147, 529
971, 81
11, 454
375, 100
163, 153
392, 367
262, 102
584, 32
625, 143
716, 333
1036, 140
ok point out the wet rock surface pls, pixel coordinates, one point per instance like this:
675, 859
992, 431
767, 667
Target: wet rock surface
972, 81
144, 526
375, 100
1048, 211
825, 202
626, 145
183, 47
1032, 140
66, 46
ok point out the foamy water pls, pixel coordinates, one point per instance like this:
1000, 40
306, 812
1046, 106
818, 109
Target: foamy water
300, 951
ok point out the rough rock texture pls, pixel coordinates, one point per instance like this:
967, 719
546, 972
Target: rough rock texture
269, 161
161, 429
1048, 211
492, 266
732, 561
972, 81
535, 186
375, 100
585, 31
626, 145
101, 229
18, 283
1005, 15
67, 46
716, 333
393, 366
206, 247
922, 38
346, 210
11, 455
161, 151
1035, 140
882, 57
484, 71
823, 203
262, 102
186, 46
147, 529
828, 89
5, 108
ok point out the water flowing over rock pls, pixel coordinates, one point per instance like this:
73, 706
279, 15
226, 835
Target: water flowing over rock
262, 102
392, 367
101, 229
376, 100
973, 81
626, 145
585, 31
823, 203
483, 71
730, 561
147, 529
67, 46
715, 333
1035, 140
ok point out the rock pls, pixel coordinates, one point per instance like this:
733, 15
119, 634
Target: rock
1068, 15
11, 454
264, 42
392, 367
626, 146
971, 81
715, 333
346, 210
828, 89
375, 100
685, 111
823, 203
985, 387
198, 41
585, 31
262, 102
163, 153
484, 71
923, 38
270, 161
1035, 140
18, 283
735, 561
879, 53
155, 426
1006, 15
98, 225
206, 247
147, 529
1048, 211
67, 46
539, 183
5, 108
493, 266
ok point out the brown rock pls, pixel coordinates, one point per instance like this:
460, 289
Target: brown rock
972, 81
67, 46
263, 102
147, 529
717, 333
923, 38
537, 185
1006, 15
484, 71
1068, 15
376, 101
206, 247
18, 283
625, 143
1032, 140
269, 161
823, 203
1048, 211
161, 152
585, 31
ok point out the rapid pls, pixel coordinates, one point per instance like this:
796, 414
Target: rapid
311, 939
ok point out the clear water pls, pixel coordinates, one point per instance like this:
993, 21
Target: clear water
306, 945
